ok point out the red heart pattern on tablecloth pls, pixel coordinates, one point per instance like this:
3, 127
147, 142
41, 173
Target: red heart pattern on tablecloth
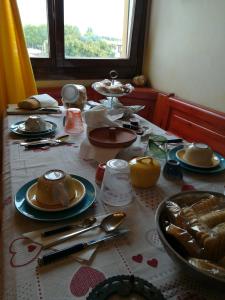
138, 258
23, 252
31, 248
187, 187
85, 279
152, 262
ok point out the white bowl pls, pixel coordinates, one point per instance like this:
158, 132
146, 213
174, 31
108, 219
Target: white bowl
35, 124
198, 154
56, 190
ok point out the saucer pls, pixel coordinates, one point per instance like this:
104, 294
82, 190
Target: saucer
214, 163
14, 128
24, 208
79, 190
21, 127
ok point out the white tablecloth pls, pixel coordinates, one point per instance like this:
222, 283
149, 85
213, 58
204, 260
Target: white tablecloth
140, 253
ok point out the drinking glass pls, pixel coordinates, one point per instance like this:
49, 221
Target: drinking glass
116, 189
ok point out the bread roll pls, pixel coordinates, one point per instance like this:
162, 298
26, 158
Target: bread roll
29, 104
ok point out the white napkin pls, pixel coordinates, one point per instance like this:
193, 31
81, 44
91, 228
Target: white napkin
97, 117
101, 155
119, 108
82, 256
45, 100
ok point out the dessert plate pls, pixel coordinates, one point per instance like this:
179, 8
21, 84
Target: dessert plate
22, 128
95, 87
79, 192
28, 211
14, 128
215, 170
215, 160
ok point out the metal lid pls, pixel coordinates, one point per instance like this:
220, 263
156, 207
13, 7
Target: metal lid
70, 93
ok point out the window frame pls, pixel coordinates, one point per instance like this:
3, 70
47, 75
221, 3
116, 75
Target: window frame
57, 67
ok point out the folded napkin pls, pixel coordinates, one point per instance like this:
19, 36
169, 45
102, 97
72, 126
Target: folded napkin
45, 100
82, 256
97, 117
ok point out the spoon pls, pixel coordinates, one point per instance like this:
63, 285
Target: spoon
108, 224
86, 223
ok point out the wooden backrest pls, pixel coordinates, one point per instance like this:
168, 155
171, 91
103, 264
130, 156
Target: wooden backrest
190, 121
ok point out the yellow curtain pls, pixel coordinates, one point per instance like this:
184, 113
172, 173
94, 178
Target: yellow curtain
16, 75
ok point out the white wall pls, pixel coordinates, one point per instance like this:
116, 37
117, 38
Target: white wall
185, 50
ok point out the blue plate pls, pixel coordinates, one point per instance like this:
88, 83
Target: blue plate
28, 211
218, 169
15, 129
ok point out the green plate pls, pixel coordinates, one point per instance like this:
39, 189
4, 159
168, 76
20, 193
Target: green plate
215, 170
14, 128
28, 211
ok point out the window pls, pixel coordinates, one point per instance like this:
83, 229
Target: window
84, 39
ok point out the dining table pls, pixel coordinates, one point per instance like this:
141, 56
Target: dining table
138, 253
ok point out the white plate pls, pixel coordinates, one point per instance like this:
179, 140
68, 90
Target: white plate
215, 160
79, 193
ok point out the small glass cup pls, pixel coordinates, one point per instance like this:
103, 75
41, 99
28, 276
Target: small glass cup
116, 189
73, 122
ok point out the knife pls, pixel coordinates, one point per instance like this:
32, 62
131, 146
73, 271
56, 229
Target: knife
40, 142
170, 141
49, 258
50, 109
57, 140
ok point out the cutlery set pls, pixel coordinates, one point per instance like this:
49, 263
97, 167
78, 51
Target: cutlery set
108, 224
34, 143
49, 258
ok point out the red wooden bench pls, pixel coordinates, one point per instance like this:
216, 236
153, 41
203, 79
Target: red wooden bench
190, 121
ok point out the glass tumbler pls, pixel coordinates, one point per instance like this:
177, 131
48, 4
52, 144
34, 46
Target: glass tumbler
116, 189
73, 122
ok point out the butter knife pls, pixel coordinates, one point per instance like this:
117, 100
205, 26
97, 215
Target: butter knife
40, 142
49, 258
84, 224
